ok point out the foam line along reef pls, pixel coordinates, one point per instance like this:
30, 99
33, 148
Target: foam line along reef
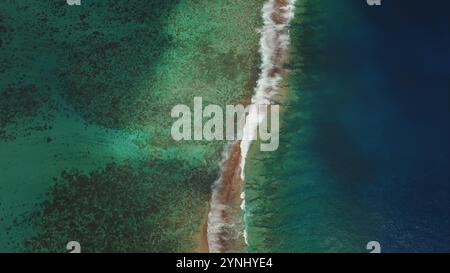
226, 228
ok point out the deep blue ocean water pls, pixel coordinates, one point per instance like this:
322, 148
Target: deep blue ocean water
364, 152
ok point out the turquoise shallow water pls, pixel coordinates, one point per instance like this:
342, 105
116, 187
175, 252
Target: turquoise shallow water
364, 150
85, 99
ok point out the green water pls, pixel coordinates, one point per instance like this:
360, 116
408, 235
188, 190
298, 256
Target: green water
85, 99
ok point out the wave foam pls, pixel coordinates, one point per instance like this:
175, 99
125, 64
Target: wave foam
274, 43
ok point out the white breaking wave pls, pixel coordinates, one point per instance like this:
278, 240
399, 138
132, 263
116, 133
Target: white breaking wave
273, 45
274, 42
